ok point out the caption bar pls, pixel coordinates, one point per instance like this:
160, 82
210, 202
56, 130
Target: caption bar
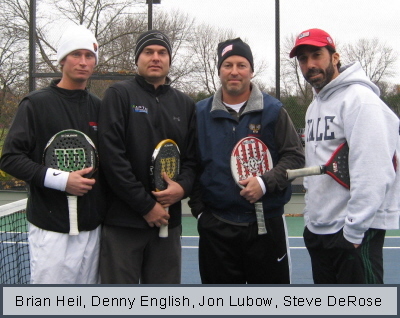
218, 300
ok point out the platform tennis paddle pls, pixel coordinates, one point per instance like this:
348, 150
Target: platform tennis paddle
165, 158
251, 158
337, 167
71, 150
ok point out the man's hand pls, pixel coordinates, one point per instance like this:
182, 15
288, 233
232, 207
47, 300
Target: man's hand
157, 216
172, 194
252, 191
77, 184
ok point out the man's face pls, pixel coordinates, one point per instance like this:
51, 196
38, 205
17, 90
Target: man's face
78, 65
153, 63
235, 75
317, 65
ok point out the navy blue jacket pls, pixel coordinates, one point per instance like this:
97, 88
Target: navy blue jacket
218, 132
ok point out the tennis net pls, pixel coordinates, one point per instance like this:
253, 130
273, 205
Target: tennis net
14, 249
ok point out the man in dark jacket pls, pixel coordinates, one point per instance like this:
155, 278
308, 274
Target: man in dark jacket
55, 256
230, 249
135, 116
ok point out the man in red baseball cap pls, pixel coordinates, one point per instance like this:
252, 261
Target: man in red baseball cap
314, 37
345, 228
317, 56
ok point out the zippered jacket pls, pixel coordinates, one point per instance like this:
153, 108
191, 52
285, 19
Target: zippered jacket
348, 109
134, 118
40, 115
218, 132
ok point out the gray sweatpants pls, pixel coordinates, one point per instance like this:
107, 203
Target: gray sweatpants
133, 256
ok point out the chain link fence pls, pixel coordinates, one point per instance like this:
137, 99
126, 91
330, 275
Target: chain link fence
269, 27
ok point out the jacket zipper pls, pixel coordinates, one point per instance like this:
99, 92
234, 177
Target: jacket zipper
235, 186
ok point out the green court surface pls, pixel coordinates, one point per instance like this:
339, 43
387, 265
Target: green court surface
295, 226
295, 223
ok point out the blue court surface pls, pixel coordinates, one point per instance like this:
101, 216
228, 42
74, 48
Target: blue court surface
14, 257
301, 264
300, 260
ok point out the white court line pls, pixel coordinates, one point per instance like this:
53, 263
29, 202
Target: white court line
4, 232
196, 236
299, 247
304, 248
196, 247
299, 237
291, 247
11, 242
192, 246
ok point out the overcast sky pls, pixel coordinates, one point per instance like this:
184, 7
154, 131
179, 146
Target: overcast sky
254, 20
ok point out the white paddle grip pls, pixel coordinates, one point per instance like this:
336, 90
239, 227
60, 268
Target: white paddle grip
310, 171
73, 214
260, 218
163, 229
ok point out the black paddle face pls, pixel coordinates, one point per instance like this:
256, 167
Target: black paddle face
71, 150
338, 166
166, 160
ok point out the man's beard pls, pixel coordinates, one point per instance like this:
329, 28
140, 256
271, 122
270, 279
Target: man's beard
320, 83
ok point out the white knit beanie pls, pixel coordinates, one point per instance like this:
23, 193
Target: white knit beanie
77, 38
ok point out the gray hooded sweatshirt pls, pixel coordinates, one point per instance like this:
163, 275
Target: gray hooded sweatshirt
349, 109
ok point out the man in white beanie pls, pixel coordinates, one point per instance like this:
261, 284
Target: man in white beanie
55, 256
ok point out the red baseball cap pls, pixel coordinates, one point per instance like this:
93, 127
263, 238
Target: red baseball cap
315, 37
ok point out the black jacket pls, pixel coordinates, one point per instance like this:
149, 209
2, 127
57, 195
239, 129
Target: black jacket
134, 118
40, 115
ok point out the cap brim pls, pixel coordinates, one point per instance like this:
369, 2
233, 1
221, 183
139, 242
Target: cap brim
293, 52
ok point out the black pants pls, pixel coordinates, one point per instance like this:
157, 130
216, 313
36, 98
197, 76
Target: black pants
336, 261
130, 256
232, 254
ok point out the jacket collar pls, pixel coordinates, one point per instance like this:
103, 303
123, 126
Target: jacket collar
150, 87
254, 103
68, 93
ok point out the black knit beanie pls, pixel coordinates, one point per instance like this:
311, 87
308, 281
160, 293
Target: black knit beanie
234, 47
152, 37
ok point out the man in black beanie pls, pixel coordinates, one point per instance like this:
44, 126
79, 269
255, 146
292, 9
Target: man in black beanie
230, 249
135, 115
234, 47
152, 37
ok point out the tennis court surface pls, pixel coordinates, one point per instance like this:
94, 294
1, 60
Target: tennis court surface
14, 254
301, 263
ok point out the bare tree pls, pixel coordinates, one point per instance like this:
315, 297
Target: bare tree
204, 58
377, 59
13, 61
292, 80
115, 24
204, 52
12, 77
179, 27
